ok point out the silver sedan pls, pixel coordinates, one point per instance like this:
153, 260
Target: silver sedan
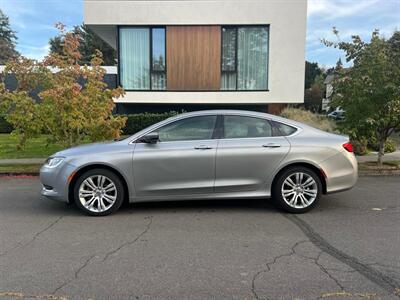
218, 154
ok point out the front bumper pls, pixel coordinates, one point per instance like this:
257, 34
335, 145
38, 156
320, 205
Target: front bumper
55, 181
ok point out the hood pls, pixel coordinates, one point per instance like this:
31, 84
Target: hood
87, 149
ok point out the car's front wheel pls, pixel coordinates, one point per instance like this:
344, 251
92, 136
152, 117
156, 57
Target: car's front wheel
98, 192
297, 190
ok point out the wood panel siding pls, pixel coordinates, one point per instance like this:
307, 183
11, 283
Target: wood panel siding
193, 57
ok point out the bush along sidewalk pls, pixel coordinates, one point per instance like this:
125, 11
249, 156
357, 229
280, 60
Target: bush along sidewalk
5, 127
134, 122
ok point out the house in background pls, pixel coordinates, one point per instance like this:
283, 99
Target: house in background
326, 101
197, 54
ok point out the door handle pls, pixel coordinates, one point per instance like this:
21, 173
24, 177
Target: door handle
202, 147
271, 145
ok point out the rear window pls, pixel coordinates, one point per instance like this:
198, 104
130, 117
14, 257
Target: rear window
281, 129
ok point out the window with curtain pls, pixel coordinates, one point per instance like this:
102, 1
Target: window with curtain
142, 64
244, 58
134, 58
228, 58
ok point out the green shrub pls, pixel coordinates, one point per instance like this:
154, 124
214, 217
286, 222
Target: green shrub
360, 146
137, 122
309, 118
5, 127
390, 145
134, 123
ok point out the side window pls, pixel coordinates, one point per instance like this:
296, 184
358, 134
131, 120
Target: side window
195, 128
246, 127
281, 129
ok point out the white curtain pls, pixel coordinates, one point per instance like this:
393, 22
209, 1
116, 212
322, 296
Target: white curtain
228, 81
134, 58
252, 58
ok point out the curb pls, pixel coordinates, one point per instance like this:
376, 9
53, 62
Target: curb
17, 174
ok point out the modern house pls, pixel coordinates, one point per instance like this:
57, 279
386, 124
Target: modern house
196, 54
326, 101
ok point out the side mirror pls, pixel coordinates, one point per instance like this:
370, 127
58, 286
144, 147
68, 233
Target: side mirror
150, 138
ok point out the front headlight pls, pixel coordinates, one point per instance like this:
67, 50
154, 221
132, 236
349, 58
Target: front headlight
53, 162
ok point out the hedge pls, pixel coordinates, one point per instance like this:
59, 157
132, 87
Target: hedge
5, 127
134, 123
137, 122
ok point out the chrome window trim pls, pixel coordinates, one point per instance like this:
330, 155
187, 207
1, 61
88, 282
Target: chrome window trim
213, 113
134, 141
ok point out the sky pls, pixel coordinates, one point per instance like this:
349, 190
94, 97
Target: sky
34, 20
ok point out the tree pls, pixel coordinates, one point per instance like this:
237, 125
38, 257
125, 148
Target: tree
312, 71
69, 111
369, 90
89, 43
313, 97
8, 40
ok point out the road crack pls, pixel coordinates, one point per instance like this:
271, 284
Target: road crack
380, 279
83, 266
269, 264
33, 238
131, 242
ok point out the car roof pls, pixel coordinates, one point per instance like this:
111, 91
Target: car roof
300, 126
240, 112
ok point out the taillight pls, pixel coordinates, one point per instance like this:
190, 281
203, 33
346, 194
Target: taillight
348, 146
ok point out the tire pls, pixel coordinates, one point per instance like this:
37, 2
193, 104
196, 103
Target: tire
99, 192
288, 185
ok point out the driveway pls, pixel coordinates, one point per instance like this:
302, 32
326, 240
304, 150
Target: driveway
347, 248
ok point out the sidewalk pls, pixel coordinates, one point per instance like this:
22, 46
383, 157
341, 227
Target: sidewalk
22, 161
373, 156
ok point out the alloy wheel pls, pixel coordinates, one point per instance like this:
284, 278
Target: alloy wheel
299, 190
97, 193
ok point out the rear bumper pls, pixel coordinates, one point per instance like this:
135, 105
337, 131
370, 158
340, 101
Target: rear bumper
341, 172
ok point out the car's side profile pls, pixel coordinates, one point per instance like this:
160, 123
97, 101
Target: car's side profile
205, 155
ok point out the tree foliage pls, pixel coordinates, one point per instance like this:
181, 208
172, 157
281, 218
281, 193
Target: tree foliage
312, 71
8, 39
313, 97
89, 43
369, 91
74, 102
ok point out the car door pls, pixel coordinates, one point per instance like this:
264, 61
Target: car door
182, 162
247, 154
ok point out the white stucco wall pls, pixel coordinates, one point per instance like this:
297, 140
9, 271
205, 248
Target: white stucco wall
287, 20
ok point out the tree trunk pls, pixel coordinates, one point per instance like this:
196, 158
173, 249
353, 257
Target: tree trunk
381, 151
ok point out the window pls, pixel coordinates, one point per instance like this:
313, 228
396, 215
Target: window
244, 58
134, 58
283, 129
228, 59
158, 68
246, 127
195, 128
142, 64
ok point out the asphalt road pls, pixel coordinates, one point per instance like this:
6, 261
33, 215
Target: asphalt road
347, 248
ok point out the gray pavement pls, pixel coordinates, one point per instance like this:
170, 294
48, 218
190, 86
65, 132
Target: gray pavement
22, 161
347, 248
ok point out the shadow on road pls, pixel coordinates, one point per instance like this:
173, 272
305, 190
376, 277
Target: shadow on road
229, 205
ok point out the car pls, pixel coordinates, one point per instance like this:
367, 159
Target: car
338, 115
213, 154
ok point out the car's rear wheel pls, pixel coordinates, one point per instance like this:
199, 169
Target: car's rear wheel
98, 192
297, 190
